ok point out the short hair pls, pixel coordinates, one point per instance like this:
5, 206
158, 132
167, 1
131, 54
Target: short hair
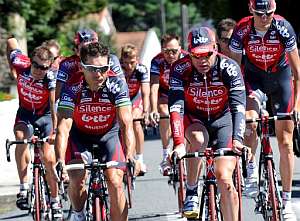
51, 43
43, 53
94, 49
168, 37
129, 51
225, 25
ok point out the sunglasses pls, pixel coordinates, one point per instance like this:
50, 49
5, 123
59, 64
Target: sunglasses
94, 68
202, 55
170, 50
260, 13
38, 66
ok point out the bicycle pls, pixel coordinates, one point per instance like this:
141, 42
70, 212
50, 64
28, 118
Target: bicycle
39, 204
97, 205
268, 200
210, 200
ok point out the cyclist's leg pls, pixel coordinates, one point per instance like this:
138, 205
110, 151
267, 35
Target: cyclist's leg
114, 151
197, 137
137, 110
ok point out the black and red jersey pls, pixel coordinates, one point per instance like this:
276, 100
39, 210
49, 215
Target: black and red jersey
207, 96
160, 67
264, 51
33, 94
136, 78
95, 112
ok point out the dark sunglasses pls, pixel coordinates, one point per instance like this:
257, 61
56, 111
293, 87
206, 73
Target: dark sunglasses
260, 13
202, 55
94, 68
38, 66
170, 50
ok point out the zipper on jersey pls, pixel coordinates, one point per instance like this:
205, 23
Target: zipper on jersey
30, 95
207, 100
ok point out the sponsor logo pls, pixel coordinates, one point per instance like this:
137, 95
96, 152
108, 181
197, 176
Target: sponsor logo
273, 41
200, 40
65, 97
62, 76
254, 42
182, 67
175, 108
88, 108
177, 128
175, 82
75, 88
95, 118
27, 85
283, 31
113, 87
211, 92
230, 68
262, 48
32, 97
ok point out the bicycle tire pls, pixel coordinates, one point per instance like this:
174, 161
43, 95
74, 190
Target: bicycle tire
272, 199
211, 202
181, 188
37, 206
237, 184
104, 210
97, 210
128, 186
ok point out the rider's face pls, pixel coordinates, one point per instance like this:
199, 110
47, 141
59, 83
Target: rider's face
171, 51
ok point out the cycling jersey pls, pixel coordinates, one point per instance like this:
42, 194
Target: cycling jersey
33, 94
206, 96
160, 67
267, 53
95, 112
69, 68
134, 81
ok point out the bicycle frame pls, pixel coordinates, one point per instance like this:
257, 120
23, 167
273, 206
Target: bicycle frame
39, 205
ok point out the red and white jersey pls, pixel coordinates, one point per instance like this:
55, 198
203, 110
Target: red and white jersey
33, 94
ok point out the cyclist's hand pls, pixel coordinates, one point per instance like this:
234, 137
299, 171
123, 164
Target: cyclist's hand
297, 116
146, 120
137, 166
60, 171
154, 118
51, 138
237, 146
179, 150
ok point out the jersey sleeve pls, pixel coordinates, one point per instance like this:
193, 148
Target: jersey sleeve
67, 96
233, 79
115, 65
235, 42
51, 76
176, 103
18, 60
143, 73
63, 71
287, 34
118, 91
154, 68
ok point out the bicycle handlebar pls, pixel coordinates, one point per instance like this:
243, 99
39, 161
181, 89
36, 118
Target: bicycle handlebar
274, 118
34, 140
81, 166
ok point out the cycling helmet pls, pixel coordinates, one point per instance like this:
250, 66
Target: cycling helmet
85, 35
263, 5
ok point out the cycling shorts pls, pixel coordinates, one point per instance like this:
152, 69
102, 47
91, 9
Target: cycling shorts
43, 122
219, 129
277, 86
108, 145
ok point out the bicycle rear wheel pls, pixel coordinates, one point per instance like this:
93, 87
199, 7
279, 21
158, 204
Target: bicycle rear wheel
273, 200
37, 205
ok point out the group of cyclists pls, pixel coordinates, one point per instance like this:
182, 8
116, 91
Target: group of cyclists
199, 97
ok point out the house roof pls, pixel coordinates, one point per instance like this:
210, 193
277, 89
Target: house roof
136, 38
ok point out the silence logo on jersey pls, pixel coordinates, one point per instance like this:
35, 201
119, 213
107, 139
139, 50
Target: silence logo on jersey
88, 108
182, 67
211, 92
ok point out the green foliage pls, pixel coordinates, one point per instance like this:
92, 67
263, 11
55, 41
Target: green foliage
5, 96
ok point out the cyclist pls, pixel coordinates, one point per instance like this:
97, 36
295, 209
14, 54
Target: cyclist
69, 68
92, 110
36, 87
207, 105
271, 56
137, 78
54, 47
159, 86
224, 31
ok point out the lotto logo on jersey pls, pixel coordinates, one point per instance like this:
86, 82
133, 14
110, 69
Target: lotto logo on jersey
282, 30
113, 87
231, 68
200, 40
95, 118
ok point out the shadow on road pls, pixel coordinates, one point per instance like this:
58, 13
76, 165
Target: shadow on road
14, 216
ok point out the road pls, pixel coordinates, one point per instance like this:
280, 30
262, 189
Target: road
154, 200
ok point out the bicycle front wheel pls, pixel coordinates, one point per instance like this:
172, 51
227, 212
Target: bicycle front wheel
212, 213
273, 200
238, 185
37, 205
181, 189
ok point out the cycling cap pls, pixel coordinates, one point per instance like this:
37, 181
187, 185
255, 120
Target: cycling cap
201, 40
85, 35
263, 5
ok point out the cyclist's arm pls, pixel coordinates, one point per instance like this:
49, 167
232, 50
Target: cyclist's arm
124, 114
52, 109
237, 57
294, 61
58, 88
145, 89
63, 128
12, 44
154, 85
